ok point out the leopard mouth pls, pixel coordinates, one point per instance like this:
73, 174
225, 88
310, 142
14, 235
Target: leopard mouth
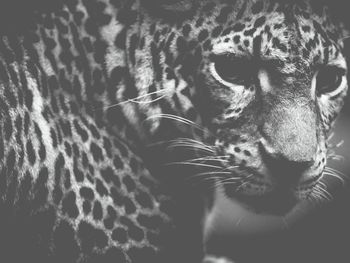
278, 201
255, 215
271, 199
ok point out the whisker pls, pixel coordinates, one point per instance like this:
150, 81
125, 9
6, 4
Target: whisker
212, 178
334, 170
179, 119
335, 173
231, 183
189, 140
186, 144
206, 176
214, 182
172, 144
134, 100
330, 136
231, 180
323, 185
209, 158
335, 176
322, 193
245, 182
217, 185
208, 173
213, 187
149, 101
233, 169
191, 146
227, 181
326, 193
336, 157
339, 144
218, 172
322, 188
194, 164
175, 141
344, 38
316, 195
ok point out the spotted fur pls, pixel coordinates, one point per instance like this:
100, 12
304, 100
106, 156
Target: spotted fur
88, 86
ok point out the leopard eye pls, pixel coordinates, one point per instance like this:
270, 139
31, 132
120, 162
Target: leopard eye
329, 79
230, 70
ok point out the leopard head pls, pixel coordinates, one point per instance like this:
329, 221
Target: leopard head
260, 82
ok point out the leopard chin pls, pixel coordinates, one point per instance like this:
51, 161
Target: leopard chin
249, 216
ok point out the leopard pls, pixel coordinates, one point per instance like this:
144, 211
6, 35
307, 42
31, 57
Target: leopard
111, 108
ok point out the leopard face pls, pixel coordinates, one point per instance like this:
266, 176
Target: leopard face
275, 87
265, 80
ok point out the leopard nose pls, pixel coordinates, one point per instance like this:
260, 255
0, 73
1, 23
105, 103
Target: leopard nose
284, 170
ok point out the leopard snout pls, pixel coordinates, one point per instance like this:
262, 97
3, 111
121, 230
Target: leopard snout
284, 171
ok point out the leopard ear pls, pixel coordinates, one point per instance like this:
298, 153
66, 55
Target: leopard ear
169, 9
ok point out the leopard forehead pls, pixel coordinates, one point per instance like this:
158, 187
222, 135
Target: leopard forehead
297, 34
